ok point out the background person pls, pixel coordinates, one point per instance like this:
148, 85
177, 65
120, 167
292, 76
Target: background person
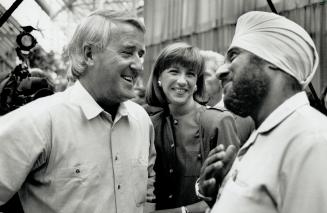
185, 131
87, 149
213, 62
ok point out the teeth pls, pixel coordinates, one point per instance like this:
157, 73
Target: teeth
128, 78
180, 90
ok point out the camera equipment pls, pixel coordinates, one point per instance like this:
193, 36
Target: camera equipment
18, 87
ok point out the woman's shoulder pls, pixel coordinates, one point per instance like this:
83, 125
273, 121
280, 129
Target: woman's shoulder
215, 113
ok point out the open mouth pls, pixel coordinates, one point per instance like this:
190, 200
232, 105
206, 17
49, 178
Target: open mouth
180, 91
128, 78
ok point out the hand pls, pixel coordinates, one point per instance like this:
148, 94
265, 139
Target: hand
214, 169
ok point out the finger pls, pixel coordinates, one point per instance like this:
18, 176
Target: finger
213, 169
207, 184
230, 153
214, 158
217, 149
207, 187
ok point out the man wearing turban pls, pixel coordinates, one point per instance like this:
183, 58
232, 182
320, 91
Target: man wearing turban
282, 167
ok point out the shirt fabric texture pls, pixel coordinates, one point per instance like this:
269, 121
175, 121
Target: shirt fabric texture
282, 168
182, 145
65, 154
244, 125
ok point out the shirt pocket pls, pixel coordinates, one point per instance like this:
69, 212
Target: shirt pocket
241, 190
139, 179
79, 173
77, 181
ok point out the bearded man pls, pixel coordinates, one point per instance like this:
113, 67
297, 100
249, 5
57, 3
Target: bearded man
283, 165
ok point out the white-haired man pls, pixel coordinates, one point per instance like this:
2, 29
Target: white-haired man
87, 149
282, 167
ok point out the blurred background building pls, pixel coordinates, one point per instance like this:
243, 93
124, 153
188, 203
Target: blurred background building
210, 24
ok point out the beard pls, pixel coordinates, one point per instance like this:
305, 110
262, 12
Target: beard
245, 94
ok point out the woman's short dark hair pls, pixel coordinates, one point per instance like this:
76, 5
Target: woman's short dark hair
181, 54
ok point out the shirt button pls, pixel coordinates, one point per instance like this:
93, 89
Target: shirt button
172, 145
170, 196
197, 135
199, 156
77, 171
118, 186
171, 171
175, 122
116, 158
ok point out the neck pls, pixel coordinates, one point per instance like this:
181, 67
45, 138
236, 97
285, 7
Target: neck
112, 110
273, 100
108, 106
214, 99
180, 110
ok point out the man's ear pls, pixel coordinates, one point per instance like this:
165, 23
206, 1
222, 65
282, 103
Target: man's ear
88, 55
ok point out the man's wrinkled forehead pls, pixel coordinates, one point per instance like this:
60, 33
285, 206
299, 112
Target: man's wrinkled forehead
127, 35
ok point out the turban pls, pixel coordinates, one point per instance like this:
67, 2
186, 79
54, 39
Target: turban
279, 41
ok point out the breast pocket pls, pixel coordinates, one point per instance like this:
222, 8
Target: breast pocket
241, 190
72, 178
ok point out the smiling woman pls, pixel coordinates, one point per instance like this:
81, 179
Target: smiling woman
186, 130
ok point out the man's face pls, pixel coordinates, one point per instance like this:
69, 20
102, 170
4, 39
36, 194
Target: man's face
212, 83
116, 68
246, 84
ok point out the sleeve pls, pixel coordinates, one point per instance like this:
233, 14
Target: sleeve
303, 185
22, 150
150, 198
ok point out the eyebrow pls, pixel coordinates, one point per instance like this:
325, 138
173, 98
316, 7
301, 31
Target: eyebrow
133, 47
233, 50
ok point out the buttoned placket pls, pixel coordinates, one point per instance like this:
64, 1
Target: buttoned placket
115, 155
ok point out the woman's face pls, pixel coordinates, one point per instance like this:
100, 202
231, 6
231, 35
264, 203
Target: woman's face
178, 84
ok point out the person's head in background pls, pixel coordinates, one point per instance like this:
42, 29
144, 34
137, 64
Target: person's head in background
177, 77
106, 53
212, 61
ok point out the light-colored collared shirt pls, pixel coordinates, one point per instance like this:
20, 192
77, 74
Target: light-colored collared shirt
221, 103
283, 165
64, 153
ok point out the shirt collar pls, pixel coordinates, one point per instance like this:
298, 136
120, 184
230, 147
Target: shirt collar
283, 111
278, 115
89, 106
82, 97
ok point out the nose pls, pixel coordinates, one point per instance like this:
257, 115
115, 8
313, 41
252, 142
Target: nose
137, 64
223, 72
181, 80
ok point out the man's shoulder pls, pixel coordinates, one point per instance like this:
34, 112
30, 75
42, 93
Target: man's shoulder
308, 115
135, 109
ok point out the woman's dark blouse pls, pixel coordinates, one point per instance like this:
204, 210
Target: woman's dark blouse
182, 144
